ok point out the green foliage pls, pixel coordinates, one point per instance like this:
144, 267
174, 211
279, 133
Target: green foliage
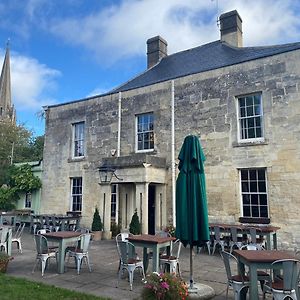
97, 224
135, 225
20, 179
17, 144
164, 286
115, 229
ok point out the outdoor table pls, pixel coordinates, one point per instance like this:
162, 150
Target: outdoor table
64, 238
266, 230
258, 259
154, 243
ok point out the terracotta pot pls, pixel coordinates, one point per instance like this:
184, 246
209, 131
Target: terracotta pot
97, 235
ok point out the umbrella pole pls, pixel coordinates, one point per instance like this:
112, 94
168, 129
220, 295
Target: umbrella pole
191, 268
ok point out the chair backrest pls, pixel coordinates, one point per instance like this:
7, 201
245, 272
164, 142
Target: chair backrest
253, 231
4, 235
126, 251
290, 272
234, 233
251, 247
176, 248
41, 244
85, 241
230, 263
217, 232
82, 230
42, 231
122, 236
163, 233
19, 231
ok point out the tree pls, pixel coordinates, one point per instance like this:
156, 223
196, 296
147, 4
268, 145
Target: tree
135, 226
97, 224
17, 144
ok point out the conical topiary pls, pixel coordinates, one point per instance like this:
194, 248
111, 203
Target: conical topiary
97, 224
135, 225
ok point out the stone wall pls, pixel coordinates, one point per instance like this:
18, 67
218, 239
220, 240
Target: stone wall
205, 105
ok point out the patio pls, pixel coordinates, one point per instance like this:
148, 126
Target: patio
208, 270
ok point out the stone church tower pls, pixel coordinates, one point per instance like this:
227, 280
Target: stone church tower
7, 110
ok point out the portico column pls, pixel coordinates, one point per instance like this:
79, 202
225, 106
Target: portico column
105, 193
160, 207
141, 197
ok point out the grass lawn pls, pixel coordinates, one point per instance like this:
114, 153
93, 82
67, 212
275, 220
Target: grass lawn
12, 288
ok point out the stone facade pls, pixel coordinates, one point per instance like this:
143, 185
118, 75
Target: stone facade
205, 104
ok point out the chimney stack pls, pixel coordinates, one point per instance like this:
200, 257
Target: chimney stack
231, 28
156, 50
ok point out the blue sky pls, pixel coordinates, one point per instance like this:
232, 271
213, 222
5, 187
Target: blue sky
67, 50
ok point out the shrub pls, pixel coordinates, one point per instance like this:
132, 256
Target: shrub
164, 286
97, 224
135, 225
115, 228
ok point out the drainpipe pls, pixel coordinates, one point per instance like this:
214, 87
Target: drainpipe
119, 125
173, 154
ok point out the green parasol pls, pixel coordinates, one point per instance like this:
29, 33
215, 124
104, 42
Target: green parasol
191, 207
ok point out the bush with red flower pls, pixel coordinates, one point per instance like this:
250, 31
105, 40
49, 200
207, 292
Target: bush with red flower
164, 286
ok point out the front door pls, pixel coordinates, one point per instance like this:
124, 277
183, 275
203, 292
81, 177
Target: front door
151, 209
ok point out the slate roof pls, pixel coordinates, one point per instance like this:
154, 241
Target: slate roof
210, 56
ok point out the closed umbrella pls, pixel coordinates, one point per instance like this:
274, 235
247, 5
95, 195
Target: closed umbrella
191, 207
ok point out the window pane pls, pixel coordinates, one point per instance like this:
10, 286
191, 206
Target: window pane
242, 102
263, 199
257, 99
261, 174
253, 175
243, 112
249, 101
251, 122
246, 211
257, 109
261, 186
253, 187
251, 133
264, 212
244, 174
254, 211
249, 111
246, 199
254, 199
245, 187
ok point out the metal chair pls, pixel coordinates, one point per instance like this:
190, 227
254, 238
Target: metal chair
80, 251
285, 286
17, 237
4, 234
236, 240
256, 238
44, 253
129, 261
173, 259
239, 282
218, 238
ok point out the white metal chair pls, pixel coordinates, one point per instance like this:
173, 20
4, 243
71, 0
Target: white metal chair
18, 235
80, 251
285, 286
129, 261
239, 282
4, 233
173, 259
256, 238
51, 246
236, 240
218, 238
44, 253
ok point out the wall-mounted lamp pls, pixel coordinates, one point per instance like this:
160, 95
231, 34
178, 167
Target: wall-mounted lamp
106, 173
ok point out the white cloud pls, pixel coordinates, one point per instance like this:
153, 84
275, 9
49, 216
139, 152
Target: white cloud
121, 31
32, 82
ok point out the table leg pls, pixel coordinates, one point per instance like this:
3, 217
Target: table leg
145, 259
269, 246
253, 282
155, 259
61, 257
275, 240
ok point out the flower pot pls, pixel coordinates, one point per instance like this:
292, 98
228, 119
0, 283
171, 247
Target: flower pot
3, 266
97, 235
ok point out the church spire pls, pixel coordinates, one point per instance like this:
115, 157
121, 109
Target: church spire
7, 110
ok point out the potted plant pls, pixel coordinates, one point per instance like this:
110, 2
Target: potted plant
97, 226
4, 259
135, 225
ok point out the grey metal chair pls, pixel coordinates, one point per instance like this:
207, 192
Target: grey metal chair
129, 261
236, 240
18, 235
284, 286
80, 251
173, 259
256, 238
44, 253
4, 234
239, 282
218, 238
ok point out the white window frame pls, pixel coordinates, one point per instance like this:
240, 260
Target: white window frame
80, 140
143, 132
28, 200
73, 196
242, 193
261, 115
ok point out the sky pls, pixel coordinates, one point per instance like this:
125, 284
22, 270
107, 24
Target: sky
68, 50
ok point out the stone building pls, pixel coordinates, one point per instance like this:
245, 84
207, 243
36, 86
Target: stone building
243, 103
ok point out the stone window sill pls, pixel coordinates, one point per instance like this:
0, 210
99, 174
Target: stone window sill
76, 159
